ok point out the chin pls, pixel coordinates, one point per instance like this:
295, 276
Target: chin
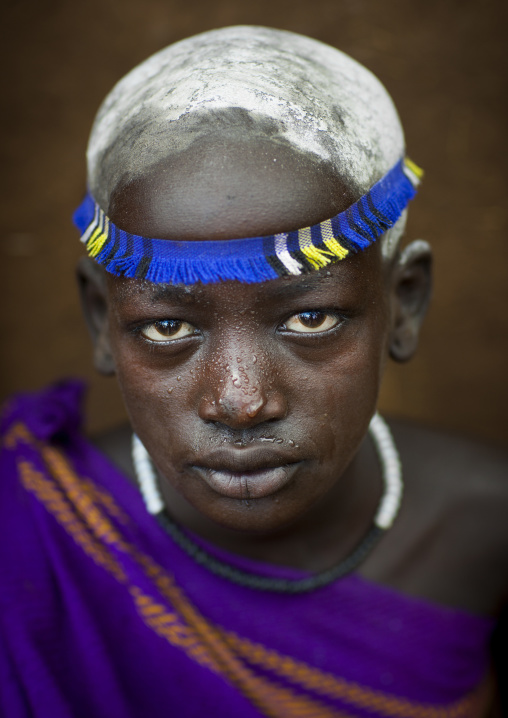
258, 517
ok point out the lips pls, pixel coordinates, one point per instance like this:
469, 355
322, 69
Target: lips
248, 473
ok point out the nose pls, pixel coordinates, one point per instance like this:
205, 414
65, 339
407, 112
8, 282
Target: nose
241, 394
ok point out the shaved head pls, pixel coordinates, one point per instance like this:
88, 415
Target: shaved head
237, 87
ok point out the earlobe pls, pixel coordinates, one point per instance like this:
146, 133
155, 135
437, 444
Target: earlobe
411, 291
93, 295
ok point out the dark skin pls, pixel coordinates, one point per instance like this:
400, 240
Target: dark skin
251, 378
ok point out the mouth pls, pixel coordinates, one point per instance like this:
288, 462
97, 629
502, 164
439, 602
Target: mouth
245, 474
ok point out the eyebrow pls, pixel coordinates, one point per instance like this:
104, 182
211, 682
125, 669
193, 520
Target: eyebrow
307, 284
304, 286
294, 288
175, 293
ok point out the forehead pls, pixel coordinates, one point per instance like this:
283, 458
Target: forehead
235, 182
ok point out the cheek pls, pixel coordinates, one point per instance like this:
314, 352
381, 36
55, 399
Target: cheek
338, 399
153, 392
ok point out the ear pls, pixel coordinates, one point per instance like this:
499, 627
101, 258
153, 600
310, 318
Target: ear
411, 291
94, 302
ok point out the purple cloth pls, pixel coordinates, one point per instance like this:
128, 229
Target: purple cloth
102, 615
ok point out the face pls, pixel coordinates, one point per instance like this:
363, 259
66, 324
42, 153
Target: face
252, 400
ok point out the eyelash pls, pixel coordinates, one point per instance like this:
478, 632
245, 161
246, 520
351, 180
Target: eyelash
327, 314
282, 327
139, 330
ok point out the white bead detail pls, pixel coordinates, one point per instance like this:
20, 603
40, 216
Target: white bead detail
383, 441
146, 477
392, 472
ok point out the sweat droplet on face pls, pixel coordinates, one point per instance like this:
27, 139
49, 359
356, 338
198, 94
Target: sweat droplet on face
170, 389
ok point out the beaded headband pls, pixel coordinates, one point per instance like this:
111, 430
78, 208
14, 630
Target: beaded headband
254, 259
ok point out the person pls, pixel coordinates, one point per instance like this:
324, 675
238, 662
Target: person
254, 548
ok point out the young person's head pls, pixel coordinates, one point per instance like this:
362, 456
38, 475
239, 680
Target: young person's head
252, 397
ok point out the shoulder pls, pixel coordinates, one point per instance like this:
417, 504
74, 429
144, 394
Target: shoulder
457, 493
460, 468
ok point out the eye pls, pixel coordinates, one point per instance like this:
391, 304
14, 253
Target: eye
311, 322
167, 329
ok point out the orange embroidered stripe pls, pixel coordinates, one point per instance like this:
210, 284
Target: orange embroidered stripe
102, 497
55, 502
78, 495
17, 432
337, 688
167, 625
271, 700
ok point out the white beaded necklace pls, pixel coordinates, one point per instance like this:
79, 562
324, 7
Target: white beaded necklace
385, 516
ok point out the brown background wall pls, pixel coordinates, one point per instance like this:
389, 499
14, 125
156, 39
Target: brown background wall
443, 62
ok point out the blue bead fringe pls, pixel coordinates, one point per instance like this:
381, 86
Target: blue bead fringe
254, 259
